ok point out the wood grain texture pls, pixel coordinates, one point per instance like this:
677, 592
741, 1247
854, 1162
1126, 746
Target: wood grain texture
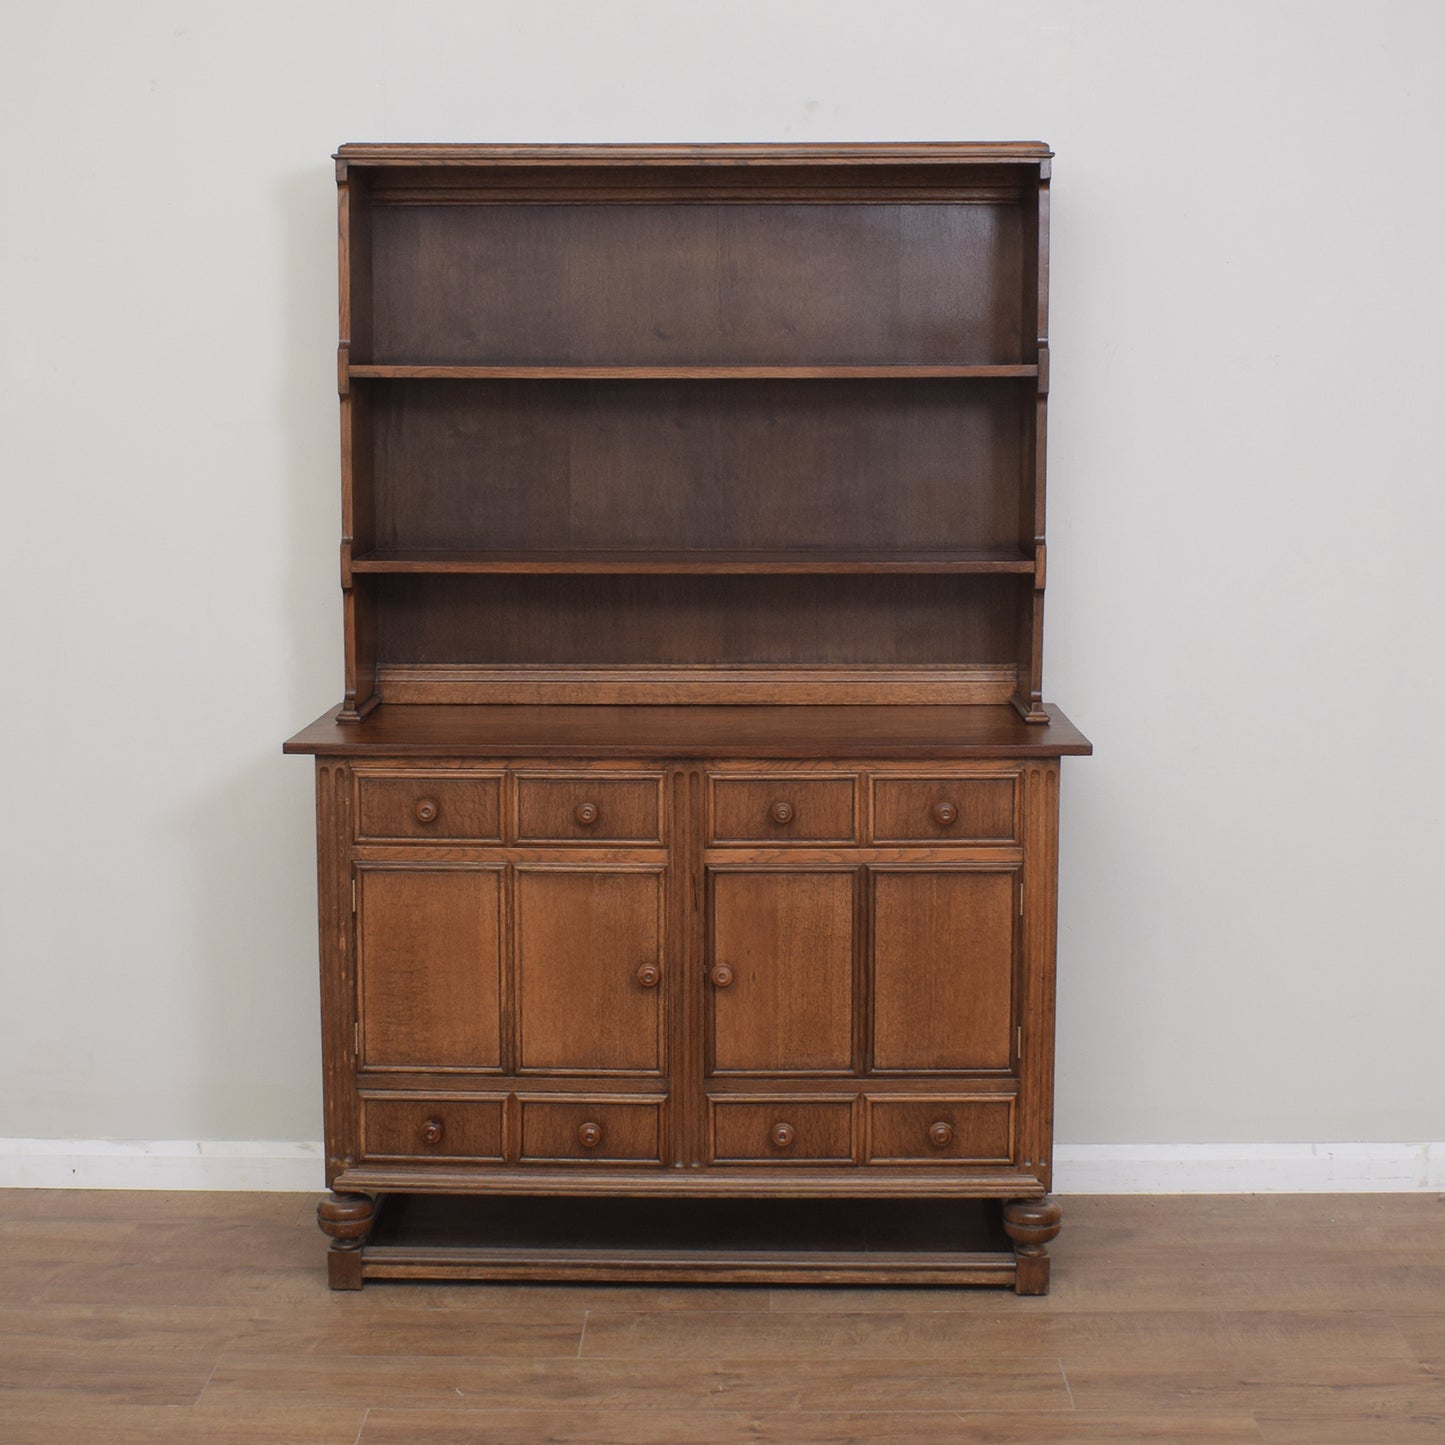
841, 733
1173, 1320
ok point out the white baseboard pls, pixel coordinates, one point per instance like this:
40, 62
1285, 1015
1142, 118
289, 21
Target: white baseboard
1078, 1168
160, 1164
1248, 1168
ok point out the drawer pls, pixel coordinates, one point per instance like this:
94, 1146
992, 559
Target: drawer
779, 809
429, 806
589, 808
940, 1131
782, 1130
555, 1129
414, 1129
956, 810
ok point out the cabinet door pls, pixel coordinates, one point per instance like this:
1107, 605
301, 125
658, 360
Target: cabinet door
429, 952
780, 971
590, 972
944, 962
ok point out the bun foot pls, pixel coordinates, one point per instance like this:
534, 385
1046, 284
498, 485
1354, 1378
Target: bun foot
346, 1219
1031, 1224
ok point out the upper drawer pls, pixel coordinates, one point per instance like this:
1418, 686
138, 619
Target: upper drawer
445, 806
954, 810
589, 808
777, 809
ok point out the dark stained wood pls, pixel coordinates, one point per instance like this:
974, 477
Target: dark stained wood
583, 933
395, 371
958, 809
784, 941
688, 829
709, 732
589, 807
429, 965
944, 956
780, 808
456, 805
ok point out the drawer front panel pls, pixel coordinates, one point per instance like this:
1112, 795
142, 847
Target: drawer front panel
941, 1131
955, 810
782, 1131
782, 810
583, 808
464, 807
451, 1129
585, 1129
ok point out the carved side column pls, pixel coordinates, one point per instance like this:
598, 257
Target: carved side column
1031, 1224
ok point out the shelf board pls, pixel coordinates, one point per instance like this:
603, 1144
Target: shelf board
393, 371
595, 562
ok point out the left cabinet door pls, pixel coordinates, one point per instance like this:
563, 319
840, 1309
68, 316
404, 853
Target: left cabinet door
429, 966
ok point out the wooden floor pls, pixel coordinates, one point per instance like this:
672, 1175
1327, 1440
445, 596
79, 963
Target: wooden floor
1296, 1320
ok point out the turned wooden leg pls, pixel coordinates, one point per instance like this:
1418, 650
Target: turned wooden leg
346, 1220
1031, 1224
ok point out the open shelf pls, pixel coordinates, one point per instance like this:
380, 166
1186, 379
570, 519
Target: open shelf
421, 371
699, 562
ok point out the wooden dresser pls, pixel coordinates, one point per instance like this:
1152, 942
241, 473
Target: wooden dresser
687, 834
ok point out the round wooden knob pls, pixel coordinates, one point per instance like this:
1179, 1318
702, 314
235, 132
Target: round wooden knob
586, 813
426, 810
721, 976
432, 1131
781, 812
589, 1136
649, 975
782, 1135
945, 814
940, 1134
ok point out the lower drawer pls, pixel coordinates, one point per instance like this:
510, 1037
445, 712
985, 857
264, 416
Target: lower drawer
566, 1130
784, 1130
412, 1129
940, 1131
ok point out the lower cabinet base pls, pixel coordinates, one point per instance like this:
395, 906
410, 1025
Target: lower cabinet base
686, 1241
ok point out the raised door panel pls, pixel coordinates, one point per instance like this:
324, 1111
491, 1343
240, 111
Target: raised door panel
590, 975
944, 962
429, 967
781, 971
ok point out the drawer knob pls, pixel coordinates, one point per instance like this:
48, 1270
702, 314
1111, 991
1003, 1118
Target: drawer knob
945, 814
649, 975
722, 976
940, 1135
781, 812
589, 1136
782, 1135
432, 1131
426, 810
586, 814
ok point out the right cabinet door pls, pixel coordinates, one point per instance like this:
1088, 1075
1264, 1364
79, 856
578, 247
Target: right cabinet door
945, 964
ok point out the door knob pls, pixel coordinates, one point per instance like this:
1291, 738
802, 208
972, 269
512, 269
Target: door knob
945, 814
586, 814
721, 976
649, 975
940, 1134
432, 1131
781, 812
426, 810
782, 1134
589, 1136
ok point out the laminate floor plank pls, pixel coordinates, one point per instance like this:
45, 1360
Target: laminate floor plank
1272, 1319
177, 1425
627, 1386
719, 1427
1338, 1429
